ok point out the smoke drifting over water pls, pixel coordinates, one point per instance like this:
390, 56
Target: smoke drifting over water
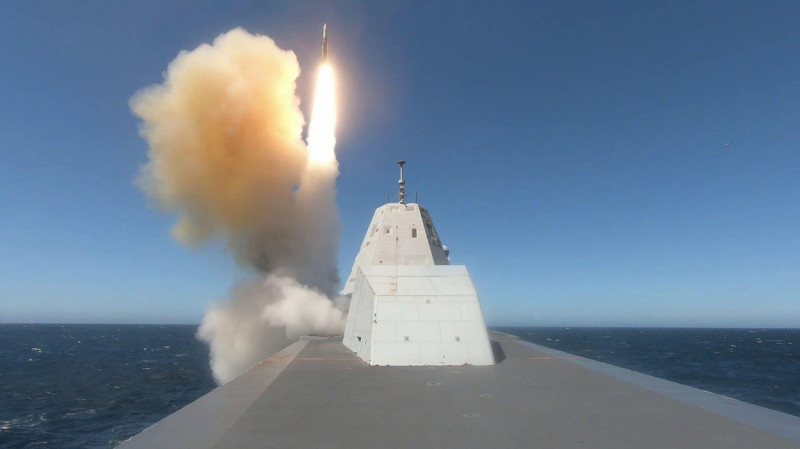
227, 156
261, 317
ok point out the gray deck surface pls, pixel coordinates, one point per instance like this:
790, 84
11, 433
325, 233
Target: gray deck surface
317, 394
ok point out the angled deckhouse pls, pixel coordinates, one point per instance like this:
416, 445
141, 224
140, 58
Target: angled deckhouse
408, 305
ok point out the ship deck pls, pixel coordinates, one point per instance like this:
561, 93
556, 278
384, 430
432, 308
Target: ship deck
317, 394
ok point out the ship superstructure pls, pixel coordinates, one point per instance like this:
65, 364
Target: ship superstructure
408, 304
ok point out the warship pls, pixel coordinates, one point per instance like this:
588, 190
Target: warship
417, 368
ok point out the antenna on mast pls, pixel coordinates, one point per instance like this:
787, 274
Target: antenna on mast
402, 183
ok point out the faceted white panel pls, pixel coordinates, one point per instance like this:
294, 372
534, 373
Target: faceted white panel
471, 312
446, 353
478, 355
436, 311
359, 320
416, 285
393, 311
365, 352
461, 285
408, 305
397, 354
383, 285
417, 331
385, 331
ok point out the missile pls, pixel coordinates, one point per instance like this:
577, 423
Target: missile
325, 42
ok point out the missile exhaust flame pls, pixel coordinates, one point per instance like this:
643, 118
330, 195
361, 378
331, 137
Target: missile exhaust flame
321, 130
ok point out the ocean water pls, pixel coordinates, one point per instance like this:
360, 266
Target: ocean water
759, 366
93, 386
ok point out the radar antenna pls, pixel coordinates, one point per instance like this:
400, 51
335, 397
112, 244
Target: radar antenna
402, 183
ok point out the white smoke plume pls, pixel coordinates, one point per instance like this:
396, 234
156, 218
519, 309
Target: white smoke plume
261, 317
226, 155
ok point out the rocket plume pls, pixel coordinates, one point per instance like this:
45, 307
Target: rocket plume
321, 131
226, 155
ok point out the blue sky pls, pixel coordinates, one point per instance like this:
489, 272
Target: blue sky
572, 154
